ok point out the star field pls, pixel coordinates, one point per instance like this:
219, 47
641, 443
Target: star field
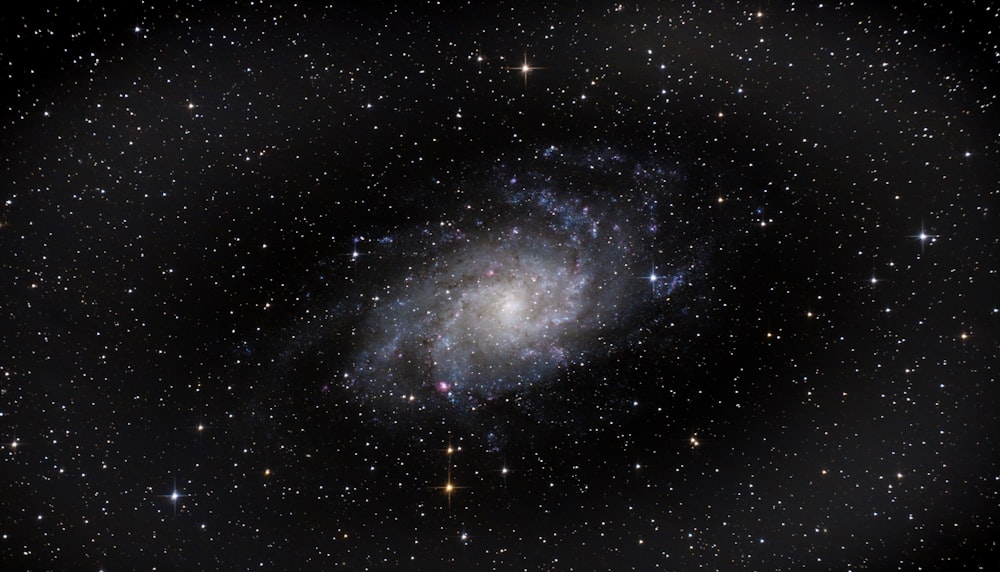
650, 286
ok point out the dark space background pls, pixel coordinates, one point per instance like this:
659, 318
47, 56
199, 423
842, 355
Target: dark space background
200, 202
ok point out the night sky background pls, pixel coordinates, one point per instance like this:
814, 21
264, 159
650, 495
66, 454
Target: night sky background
532, 286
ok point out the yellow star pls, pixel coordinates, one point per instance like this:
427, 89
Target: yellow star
525, 68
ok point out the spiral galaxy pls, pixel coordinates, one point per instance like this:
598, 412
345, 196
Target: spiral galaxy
538, 262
